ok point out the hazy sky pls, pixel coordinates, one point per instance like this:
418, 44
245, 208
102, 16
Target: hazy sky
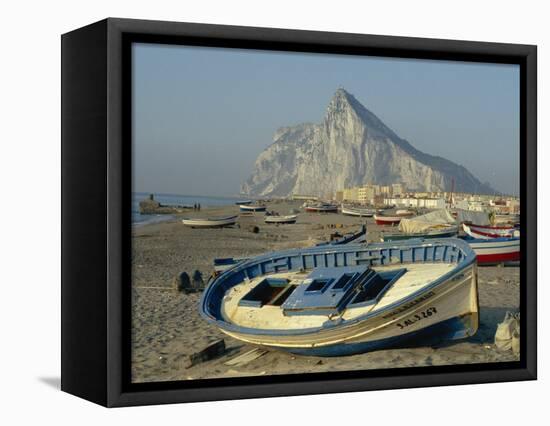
202, 115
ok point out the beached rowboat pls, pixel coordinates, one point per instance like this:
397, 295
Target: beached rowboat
341, 300
357, 211
479, 231
252, 207
211, 222
495, 250
281, 219
443, 232
387, 220
322, 208
404, 213
347, 238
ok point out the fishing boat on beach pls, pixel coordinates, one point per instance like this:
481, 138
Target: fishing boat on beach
281, 219
337, 239
358, 211
442, 232
488, 231
436, 224
251, 208
346, 299
392, 219
490, 251
212, 222
387, 220
321, 208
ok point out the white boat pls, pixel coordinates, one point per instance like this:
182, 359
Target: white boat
211, 222
347, 299
404, 212
488, 232
358, 211
281, 219
252, 207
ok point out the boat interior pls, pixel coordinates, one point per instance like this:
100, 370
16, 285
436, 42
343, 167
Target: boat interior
310, 298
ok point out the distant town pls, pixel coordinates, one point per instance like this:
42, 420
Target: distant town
397, 195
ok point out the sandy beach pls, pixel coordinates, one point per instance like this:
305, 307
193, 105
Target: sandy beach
167, 327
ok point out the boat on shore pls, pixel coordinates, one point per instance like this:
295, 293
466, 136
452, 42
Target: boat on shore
494, 250
281, 219
436, 224
251, 208
347, 299
321, 208
387, 220
211, 222
487, 231
358, 211
405, 213
337, 239
442, 232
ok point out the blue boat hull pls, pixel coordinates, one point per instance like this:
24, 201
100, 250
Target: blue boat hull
451, 329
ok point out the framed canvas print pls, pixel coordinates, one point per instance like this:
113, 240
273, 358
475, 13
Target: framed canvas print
253, 212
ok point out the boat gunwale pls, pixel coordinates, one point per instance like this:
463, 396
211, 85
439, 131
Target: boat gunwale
469, 259
210, 219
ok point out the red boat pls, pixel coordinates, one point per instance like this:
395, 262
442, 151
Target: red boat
481, 231
393, 219
495, 250
387, 220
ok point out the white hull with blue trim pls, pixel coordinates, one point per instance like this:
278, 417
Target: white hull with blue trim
331, 301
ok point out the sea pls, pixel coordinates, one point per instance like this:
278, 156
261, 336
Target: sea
174, 200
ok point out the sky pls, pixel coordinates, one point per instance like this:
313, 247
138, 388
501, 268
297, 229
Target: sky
202, 115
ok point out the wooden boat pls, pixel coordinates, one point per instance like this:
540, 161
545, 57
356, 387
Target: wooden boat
211, 222
281, 219
480, 231
252, 207
346, 238
387, 219
244, 202
322, 208
357, 211
442, 232
404, 213
495, 250
347, 299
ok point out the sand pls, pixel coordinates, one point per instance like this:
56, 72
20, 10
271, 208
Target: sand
167, 327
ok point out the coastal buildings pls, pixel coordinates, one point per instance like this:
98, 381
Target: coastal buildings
397, 195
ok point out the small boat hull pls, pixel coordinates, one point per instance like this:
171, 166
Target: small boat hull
281, 219
387, 220
479, 231
322, 209
210, 222
495, 250
358, 212
252, 208
445, 233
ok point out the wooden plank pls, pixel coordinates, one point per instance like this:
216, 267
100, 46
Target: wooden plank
246, 357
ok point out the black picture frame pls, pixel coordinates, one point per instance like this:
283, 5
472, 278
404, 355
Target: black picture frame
96, 179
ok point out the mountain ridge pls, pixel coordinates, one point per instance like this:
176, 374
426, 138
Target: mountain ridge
350, 147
